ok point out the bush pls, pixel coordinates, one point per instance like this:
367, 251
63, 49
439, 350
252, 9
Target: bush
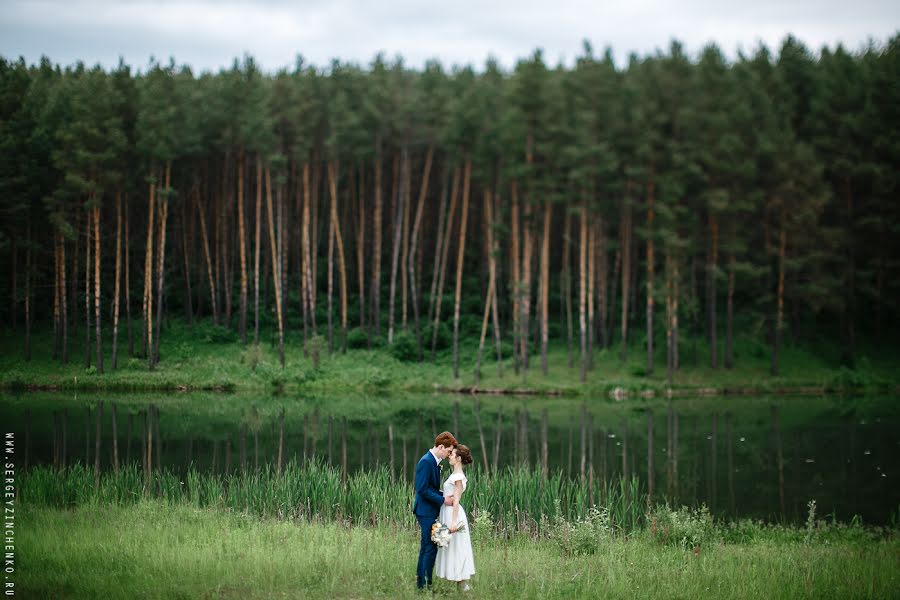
252, 356
584, 536
314, 347
638, 370
405, 347
215, 334
357, 338
444, 336
685, 528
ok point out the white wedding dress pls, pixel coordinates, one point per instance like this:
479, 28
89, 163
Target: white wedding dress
455, 562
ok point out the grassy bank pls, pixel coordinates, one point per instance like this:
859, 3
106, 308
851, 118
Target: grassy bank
163, 550
206, 357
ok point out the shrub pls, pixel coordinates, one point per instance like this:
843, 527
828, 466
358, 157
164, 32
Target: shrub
405, 347
314, 347
444, 336
357, 338
685, 528
252, 356
583, 536
638, 370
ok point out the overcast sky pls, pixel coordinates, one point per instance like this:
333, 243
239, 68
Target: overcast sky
209, 34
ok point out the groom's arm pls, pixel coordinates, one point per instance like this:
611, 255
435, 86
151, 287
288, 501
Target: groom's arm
427, 492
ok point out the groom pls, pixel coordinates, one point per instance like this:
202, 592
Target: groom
428, 503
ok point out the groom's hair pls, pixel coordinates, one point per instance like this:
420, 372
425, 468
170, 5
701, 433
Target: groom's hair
445, 439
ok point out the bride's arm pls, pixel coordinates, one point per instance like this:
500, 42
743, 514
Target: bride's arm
457, 494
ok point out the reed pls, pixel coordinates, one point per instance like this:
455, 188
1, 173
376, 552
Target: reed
518, 500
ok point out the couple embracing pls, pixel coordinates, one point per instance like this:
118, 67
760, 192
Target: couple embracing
435, 502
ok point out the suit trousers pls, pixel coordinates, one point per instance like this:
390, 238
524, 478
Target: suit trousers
427, 553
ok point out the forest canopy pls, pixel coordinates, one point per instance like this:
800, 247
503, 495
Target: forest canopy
587, 205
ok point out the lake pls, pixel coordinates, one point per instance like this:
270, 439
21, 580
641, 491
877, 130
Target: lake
760, 457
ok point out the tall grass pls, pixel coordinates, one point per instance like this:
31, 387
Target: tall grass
517, 499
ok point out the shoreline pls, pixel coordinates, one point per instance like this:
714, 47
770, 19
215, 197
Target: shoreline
616, 392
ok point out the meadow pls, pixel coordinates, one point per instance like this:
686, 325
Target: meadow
154, 548
209, 357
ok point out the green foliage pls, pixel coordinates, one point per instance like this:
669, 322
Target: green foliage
314, 347
357, 338
405, 347
251, 356
444, 336
179, 549
684, 527
585, 535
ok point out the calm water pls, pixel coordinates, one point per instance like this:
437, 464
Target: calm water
722, 451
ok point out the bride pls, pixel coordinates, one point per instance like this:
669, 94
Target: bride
455, 562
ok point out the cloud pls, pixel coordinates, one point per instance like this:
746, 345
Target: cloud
208, 35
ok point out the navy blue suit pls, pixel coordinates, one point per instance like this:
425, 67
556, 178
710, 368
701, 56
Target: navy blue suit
427, 507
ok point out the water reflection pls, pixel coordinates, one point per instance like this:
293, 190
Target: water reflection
757, 457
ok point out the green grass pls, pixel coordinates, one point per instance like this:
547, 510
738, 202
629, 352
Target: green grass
517, 500
209, 357
155, 549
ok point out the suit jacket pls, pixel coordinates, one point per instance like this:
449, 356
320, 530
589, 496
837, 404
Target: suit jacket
429, 498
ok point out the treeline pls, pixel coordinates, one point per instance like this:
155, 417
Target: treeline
599, 204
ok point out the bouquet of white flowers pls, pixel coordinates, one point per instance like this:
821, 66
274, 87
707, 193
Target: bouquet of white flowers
440, 533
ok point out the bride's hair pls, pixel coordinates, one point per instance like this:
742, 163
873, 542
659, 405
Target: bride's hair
464, 454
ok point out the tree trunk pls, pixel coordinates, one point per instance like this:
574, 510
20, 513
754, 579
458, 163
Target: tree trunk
161, 270
259, 180
650, 268
276, 276
342, 265
127, 284
423, 192
307, 259
57, 330
87, 291
525, 303
492, 269
675, 279
711, 289
189, 300
650, 468
589, 301
243, 246
64, 317
582, 288
566, 285
209, 267
545, 285
729, 326
28, 293
602, 284
626, 268
404, 281
459, 265
669, 321
613, 295
361, 252
779, 305
491, 291
444, 253
330, 285
398, 231
439, 241
514, 259
377, 224
96, 212
148, 267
